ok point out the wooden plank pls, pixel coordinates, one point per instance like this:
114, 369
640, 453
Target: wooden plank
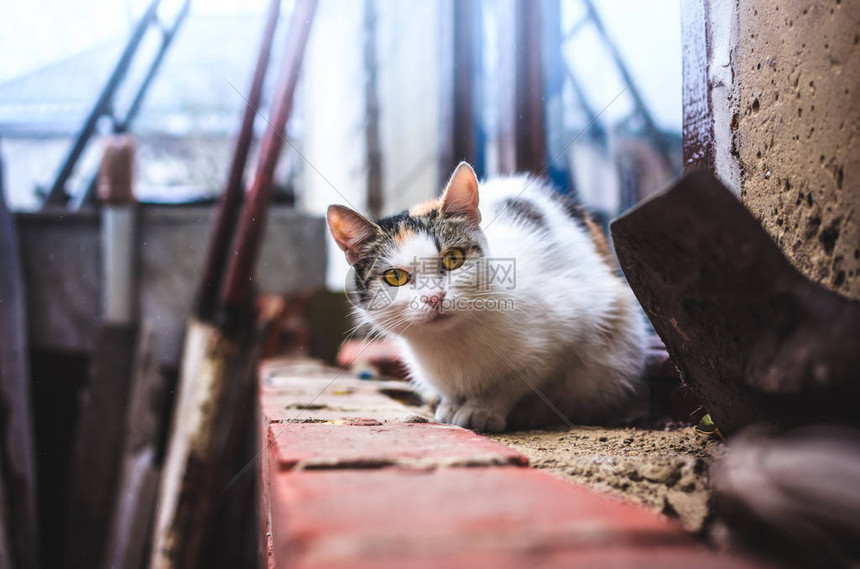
214, 356
212, 423
97, 447
232, 528
756, 340
135, 505
17, 451
5, 550
98, 444
207, 369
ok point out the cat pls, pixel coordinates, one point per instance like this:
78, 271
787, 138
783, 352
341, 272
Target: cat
503, 298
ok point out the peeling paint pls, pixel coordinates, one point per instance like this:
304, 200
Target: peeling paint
722, 80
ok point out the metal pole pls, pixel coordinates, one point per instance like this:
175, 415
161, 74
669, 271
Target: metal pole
463, 136
57, 195
166, 40
227, 214
553, 66
530, 128
122, 126
371, 112
641, 107
119, 230
249, 236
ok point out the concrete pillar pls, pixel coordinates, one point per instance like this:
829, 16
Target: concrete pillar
781, 120
798, 70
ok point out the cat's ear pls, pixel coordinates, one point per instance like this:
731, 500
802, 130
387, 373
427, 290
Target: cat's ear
461, 194
351, 230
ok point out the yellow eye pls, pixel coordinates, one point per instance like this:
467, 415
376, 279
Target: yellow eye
453, 259
395, 277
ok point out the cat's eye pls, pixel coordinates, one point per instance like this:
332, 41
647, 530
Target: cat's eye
453, 259
395, 277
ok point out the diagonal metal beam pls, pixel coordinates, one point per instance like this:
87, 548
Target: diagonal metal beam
57, 195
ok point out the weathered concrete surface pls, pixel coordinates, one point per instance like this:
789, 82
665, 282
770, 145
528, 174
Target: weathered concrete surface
173, 243
61, 260
665, 471
798, 71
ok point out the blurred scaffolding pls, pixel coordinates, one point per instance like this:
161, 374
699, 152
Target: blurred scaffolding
395, 92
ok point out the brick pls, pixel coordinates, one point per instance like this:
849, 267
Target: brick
662, 557
281, 396
332, 381
284, 404
404, 415
308, 391
383, 355
294, 366
459, 516
414, 445
313, 383
365, 489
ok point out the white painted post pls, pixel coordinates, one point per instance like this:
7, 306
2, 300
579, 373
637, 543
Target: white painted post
119, 230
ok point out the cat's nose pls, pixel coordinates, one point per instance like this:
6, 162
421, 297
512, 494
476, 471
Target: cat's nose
435, 300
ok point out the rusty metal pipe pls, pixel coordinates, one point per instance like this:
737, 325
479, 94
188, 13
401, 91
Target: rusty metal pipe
246, 245
230, 204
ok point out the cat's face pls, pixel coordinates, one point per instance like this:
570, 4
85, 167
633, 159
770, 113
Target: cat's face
417, 272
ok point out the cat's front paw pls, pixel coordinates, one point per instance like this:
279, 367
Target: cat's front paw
445, 411
478, 418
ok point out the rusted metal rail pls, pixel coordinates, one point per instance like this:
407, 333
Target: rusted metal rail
218, 355
530, 119
103, 107
123, 125
373, 154
230, 204
246, 246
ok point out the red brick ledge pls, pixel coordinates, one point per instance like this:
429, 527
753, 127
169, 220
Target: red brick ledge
353, 482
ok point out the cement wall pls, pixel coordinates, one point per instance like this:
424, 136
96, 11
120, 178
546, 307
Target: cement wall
62, 270
798, 74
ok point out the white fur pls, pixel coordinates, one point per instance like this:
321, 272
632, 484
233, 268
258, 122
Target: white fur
573, 329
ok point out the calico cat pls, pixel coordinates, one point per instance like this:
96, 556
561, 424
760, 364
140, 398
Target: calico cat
504, 298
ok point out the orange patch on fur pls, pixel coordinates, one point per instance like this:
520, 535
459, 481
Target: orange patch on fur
599, 240
424, 208
403, 234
